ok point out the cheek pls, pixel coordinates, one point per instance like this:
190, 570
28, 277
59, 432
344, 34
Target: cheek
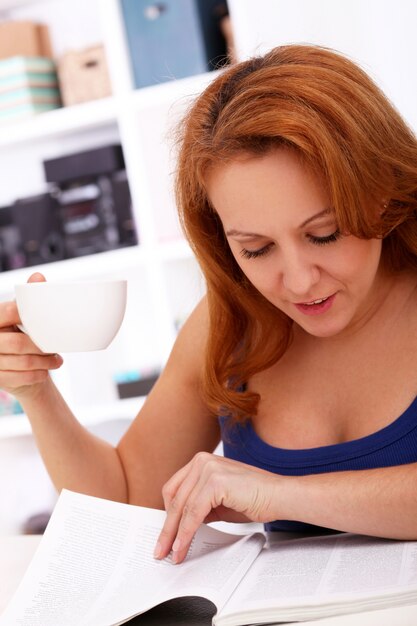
368, 252
259, 273
360, 258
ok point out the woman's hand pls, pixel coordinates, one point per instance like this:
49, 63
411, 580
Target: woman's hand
23, 366
211, 488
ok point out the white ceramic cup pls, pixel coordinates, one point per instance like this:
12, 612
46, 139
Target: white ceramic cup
73, 316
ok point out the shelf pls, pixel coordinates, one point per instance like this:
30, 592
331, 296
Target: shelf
113, 261
58, 122
18, 425
102, 263
96, 113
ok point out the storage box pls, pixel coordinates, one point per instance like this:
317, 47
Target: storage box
173, 39
28, 85
28, 81
24, 38
28, 95
27, 72
83, 75
26, 65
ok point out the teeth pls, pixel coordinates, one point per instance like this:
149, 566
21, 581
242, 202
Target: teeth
316, 302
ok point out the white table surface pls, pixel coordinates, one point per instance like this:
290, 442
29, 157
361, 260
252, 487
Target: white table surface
17, 551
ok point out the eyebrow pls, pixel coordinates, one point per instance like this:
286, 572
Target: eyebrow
240, 233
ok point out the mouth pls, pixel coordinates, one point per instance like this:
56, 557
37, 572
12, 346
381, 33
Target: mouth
315, 307
313, 302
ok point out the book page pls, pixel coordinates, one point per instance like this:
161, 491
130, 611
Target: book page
366, 565
333, 570
95, 565
213, 568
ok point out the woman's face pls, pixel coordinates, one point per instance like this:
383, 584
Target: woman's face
282, 232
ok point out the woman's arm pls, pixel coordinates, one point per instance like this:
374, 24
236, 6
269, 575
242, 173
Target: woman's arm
171, 427
74, 457
380, 502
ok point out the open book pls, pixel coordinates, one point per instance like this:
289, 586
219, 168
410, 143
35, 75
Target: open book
94, 566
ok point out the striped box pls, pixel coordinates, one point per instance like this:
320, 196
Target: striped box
26, 65
28, 86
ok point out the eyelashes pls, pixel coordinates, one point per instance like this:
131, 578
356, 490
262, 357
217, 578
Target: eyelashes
317, 241
321, 241
254, 254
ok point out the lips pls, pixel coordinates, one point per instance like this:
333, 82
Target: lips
316, 307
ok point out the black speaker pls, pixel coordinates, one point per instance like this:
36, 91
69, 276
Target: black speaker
38, 221
85, 165
11, 252
122, 205
88, 218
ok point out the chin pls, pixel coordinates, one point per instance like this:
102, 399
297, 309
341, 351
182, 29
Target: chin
323, 330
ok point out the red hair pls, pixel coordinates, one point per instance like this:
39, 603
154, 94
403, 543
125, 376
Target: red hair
323, 106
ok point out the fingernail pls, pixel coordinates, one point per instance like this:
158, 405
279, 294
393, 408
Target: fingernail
175, 557
176, 546
158, 551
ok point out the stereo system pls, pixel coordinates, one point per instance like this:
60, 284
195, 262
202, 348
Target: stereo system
87, 209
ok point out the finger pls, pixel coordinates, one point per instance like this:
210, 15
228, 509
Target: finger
37, 277
199, 493
198, 506
208, 498
29, 362
17, 343
15, 380
171, 487
9, 315
179, 487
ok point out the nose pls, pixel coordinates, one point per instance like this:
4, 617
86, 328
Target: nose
299, 274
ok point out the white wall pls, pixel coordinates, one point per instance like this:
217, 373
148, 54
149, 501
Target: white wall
378, 34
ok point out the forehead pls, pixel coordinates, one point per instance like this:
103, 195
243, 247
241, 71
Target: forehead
277, 182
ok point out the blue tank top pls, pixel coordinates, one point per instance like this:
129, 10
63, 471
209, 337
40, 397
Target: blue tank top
396, 444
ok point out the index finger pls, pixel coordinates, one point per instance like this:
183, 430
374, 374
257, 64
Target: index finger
9, 315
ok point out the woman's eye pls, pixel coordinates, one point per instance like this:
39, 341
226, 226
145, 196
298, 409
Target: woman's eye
254, 254
318, 241
321, 241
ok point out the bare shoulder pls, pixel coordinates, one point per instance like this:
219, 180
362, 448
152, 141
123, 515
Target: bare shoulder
174, 423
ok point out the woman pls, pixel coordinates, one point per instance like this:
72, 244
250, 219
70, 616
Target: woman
297, 189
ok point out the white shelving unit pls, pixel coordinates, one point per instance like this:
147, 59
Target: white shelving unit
141, 121
164, 282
